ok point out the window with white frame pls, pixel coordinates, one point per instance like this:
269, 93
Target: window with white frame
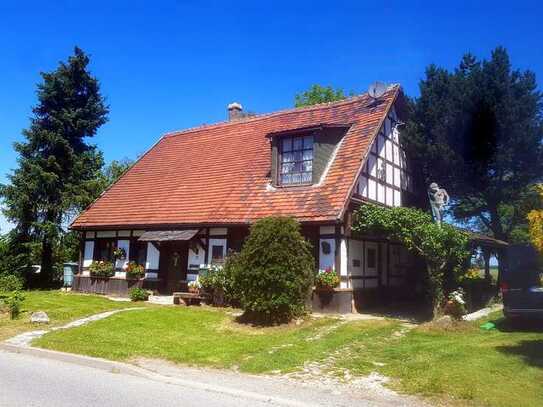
296, 160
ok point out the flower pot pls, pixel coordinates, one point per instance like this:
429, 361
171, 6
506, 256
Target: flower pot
325, 294
324, 288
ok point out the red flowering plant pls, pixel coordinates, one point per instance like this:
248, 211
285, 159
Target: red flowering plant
327, 279
134, 270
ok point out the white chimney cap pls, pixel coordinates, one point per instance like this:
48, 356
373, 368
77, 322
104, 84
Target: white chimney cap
235, 105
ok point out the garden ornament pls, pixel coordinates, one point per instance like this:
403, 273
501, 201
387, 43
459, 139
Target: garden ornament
438, 199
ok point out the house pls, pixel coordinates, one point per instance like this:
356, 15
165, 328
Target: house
192, 197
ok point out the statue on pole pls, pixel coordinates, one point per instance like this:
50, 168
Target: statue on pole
438, 198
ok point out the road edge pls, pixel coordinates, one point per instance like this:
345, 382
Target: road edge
132, 370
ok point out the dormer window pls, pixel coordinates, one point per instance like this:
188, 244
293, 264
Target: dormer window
296, 160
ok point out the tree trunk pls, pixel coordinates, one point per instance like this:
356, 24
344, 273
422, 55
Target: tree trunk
435, 279
486, 257
496, 225
46, 273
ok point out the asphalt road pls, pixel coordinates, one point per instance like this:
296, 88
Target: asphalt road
31, 381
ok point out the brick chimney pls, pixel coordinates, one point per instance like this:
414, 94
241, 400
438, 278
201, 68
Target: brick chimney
235, 111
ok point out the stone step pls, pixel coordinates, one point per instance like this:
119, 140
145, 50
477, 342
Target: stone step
161, 299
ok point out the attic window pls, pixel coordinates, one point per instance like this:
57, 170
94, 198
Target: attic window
296, 160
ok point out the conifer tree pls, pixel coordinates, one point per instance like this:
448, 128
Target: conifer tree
478, 131
57, 169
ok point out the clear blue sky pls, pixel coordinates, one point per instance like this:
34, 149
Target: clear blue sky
166, 66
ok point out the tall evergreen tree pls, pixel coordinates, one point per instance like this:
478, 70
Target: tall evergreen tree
57, 168
478, 131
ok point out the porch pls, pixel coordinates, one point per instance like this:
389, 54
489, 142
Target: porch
171, 258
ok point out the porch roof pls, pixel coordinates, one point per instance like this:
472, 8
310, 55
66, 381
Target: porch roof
168, 235
483, 240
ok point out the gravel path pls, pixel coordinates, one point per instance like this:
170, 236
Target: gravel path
25, 339
366, 391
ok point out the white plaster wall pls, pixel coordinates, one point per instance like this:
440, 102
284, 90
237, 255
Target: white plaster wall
372, 271
343, 272
384, 257
356, 258
196, 259
327, 230
107, 233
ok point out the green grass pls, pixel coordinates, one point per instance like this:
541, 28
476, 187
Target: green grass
501, 367
61, 308
210, 337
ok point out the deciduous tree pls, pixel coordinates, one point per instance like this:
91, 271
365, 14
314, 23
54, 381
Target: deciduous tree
535, 219
318, 94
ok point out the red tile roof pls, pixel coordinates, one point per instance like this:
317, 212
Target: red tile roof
220, 174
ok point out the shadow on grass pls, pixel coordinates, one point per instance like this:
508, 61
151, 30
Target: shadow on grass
415, 313
256, 319
531, 351
520, 325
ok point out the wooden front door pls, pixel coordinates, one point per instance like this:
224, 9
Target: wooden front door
173, 266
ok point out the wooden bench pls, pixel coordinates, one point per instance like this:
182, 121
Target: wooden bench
186, 298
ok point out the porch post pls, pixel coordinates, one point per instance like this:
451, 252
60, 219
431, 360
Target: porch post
486, 257
343, 262
502, 265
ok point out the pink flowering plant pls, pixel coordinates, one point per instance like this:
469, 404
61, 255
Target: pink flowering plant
327, 279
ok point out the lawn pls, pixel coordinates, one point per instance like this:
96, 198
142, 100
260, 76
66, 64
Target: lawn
469, 365
211, 337
501, 367
61, 308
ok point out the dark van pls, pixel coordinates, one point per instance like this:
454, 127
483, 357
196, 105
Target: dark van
522, 284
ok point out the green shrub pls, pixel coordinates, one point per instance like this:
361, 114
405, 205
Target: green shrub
10, 282
273, 273
138, 294
212, 278
102, 269
217, 282
13, 302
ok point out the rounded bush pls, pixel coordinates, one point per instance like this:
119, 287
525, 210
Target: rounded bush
138, 294
273, 273
10, 282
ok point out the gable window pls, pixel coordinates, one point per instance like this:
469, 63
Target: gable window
296, 166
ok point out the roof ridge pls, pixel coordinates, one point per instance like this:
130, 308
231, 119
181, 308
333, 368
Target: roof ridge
350, 99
